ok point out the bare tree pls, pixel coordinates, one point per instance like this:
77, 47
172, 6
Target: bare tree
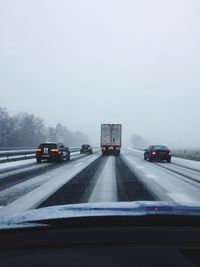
27, 130
62, 134
6, 127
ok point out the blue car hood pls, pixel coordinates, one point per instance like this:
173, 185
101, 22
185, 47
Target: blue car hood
140, 208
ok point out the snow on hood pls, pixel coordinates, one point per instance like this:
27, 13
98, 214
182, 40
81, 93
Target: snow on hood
101, 209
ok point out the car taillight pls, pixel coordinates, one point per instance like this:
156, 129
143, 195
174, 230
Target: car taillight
38, 150
54, 150
170, 153
153, 152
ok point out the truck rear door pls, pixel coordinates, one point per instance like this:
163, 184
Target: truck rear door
116, 135
106, 138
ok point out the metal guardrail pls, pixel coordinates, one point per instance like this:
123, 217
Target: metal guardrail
15, 155
16, 148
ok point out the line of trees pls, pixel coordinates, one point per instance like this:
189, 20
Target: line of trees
28, 130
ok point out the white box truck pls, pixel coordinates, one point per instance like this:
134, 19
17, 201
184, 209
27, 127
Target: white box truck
111, 137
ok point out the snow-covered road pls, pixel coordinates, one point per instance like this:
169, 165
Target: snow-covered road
177, 181
30, 193
106, 185
91, 178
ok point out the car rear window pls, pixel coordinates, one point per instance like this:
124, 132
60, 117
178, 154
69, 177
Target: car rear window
48, 145
161, 148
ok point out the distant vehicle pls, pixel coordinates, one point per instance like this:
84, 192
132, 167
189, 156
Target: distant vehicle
111, 139
158, 153
86, 149
52, 152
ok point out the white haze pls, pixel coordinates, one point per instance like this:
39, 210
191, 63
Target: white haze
83, 63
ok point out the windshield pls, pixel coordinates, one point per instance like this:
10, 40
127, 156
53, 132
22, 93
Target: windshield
88, 88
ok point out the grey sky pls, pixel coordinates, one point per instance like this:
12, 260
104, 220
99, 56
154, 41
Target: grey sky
130, 62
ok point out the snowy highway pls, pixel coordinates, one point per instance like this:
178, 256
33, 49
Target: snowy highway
178, 181
26, 185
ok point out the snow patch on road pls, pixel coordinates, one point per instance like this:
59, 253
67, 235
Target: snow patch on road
78, 164
105, 189
181, 198
16, 163
153, 176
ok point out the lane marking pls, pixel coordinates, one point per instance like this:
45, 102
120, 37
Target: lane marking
139, 167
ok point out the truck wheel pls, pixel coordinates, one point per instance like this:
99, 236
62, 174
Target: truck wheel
38, 160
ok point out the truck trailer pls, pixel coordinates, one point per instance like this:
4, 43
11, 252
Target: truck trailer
111, 136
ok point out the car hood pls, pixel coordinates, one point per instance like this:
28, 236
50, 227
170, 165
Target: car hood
111, 209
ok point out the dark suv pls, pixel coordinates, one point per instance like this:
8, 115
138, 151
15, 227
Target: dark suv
86, 149
52, 152
158, 153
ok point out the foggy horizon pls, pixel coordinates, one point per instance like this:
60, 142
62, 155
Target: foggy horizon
84, 63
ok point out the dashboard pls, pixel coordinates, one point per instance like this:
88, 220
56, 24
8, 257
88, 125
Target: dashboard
101, 246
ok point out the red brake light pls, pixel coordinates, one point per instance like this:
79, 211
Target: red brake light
170, 153
153, 152
38, 149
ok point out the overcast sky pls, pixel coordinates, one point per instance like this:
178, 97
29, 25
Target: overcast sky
87, 62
